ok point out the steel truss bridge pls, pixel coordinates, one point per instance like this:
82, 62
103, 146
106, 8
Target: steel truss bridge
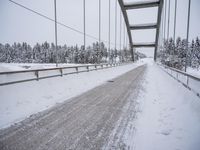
162, 20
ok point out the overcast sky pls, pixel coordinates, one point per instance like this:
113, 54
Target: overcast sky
19, 25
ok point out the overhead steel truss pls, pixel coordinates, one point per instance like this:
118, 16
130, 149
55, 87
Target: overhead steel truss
140, 5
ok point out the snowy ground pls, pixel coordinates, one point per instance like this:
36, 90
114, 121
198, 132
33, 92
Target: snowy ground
193, 71
168, 115
27, 66
19, 101
160, 113
84, 122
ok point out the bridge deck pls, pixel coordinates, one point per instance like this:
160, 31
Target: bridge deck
84, 122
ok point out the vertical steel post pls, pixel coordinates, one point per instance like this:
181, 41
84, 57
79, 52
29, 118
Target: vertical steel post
174, 36
158, 29
123, 49
120, 34
123, 35
109, 32
56, 33
168, 21
84, 39
175, 21
99, 26
165, 17
162, 22
161, 38
115, 28
188, 28
126, 40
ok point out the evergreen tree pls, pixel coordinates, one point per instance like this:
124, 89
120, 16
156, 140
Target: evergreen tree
46, 53
197, 50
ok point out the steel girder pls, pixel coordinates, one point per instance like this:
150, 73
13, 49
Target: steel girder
140, 5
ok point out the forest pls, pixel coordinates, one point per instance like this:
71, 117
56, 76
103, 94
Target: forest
46, 53
178, 54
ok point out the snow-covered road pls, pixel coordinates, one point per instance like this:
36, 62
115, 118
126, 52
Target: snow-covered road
142, 109
84, 122
19, 101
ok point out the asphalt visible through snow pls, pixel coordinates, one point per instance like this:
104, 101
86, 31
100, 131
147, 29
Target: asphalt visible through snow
84, 122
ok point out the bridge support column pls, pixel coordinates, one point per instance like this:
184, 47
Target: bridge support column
158, 28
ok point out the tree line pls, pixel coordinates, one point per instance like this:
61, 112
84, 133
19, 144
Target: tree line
178, 54
46, 53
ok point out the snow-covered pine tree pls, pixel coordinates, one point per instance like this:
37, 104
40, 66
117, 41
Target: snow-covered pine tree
197, 50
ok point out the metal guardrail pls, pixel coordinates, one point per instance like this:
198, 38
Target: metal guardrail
13, 77
189, 81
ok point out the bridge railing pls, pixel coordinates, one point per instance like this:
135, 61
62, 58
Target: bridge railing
12, 77
189, 81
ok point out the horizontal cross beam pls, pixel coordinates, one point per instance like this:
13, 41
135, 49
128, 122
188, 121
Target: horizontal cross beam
143, 4
143, 26
138, 45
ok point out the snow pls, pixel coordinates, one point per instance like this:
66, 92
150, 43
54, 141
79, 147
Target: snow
193, 71
168, 114
27, 66
21, 100
193, 84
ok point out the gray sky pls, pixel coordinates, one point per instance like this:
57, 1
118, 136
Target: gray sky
18, 24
